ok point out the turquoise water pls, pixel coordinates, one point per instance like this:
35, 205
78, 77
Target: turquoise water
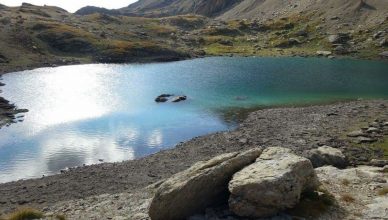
86, 114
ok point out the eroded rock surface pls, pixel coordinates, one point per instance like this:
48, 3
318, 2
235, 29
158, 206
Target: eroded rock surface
326, 155
198, 187
271, 184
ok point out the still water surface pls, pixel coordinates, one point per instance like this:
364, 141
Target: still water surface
87, 113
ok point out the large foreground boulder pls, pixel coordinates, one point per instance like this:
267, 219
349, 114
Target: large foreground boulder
326, 155
271, 184
202, 185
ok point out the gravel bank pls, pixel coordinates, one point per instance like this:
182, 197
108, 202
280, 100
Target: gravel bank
298, 128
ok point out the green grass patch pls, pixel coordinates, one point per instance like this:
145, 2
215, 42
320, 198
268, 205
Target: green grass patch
383, 145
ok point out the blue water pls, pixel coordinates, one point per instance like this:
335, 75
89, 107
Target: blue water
88, 113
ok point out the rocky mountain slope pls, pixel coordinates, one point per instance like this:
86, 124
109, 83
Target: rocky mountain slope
352, 11
179, 7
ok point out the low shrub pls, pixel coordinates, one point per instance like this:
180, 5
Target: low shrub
25, 214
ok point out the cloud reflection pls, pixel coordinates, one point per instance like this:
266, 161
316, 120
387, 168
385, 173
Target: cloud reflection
65, 94
60, 150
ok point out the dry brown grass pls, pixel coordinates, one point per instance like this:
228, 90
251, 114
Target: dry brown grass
60, 217
25, 214
345, 182
313, 204
347, 198
383, 191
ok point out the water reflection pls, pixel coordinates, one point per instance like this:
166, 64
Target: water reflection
81, 114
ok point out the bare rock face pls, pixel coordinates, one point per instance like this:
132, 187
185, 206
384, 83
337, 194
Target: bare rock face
202, 185
271, 184
366, 185
326, 155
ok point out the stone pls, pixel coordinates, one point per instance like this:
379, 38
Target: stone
377, 209
271, 184
378, 34
163, 98
378, 162
383, 42
372, 129
323, 53
384, 54
326, 155
362, 140
340, 49
179, 98
385, 169
358, 133
226, 42
301, 33
204, 184
338, 38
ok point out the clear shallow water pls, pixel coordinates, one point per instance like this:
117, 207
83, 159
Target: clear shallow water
80, 114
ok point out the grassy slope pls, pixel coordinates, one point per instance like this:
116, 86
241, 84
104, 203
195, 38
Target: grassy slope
49, 35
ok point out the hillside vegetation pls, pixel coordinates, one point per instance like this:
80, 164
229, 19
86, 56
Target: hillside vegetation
49, 35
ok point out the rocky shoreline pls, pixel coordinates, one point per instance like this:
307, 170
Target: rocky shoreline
8, 111
298, 128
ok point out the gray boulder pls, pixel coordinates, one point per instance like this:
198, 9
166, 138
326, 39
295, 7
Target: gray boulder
340, 49
323, 53
339, 38
326, 155
383, 42
179, 98
271, 184
379, 162
378, 34
384, 54
193, 190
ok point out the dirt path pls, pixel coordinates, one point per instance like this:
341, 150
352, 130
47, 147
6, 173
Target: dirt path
299, 128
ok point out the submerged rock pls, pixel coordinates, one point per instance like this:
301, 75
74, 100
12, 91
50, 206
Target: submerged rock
179, 98
163, 98
271, 184
193, 190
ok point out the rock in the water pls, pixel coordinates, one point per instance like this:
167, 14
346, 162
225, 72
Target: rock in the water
271, 184
163, 98
326, 155
195, 189
179, 98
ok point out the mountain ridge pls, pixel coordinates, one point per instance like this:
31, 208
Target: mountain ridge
359, 11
